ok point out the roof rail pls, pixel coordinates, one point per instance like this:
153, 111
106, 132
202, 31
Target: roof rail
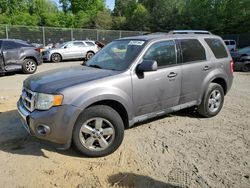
190, 32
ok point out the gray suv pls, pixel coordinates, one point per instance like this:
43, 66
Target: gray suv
18, 55
130, 80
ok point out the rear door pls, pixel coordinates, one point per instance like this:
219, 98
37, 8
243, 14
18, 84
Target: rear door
158, 90
195, 67
11, 54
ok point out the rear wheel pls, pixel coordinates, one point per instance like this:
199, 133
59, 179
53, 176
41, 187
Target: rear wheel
89, 55
212, 101
56, 58
99, 131
29, 66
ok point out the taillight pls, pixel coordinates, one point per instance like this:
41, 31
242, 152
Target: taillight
38, 50
232, 66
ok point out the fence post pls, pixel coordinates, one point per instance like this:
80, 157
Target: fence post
43, 37
71, 34
6, 32
97, 35
120, 34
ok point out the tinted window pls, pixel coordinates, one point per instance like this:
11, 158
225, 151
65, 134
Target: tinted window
232, 42
7, 45
78, 44
162, 52
192, 50
217, 47
90, 43
227, 42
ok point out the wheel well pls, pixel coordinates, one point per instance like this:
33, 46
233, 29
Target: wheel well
117, 107
30, 57
91, 51
221, 82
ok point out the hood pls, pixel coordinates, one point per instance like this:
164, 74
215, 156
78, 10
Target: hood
55, 80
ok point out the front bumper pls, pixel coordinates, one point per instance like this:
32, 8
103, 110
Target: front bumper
60, 120
46, 57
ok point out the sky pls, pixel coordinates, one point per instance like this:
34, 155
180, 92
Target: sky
110, 3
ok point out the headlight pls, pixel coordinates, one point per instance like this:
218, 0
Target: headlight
46, 101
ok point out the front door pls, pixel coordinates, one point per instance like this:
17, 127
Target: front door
158, 90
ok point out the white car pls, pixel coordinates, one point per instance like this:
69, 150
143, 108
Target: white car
231, 44
71, 50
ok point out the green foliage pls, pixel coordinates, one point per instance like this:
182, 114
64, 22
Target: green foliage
218, 16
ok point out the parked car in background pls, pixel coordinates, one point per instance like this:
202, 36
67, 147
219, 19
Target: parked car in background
242, 59
129, 81
231, 44
18, 55
71, 50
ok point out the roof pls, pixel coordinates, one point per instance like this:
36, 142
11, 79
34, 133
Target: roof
156, 36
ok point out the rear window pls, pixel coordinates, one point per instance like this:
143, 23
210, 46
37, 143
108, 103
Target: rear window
217, 48
192, 50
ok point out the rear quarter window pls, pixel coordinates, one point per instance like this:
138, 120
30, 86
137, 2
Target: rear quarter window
217, 48
192, 50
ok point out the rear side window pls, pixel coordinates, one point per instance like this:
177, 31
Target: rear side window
192, 50
217, 48
8, 45
90, 43
227, 43
162, 52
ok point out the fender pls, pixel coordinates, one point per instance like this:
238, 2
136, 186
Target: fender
105, 93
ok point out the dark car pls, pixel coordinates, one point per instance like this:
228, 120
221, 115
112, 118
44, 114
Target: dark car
242, 59
18, 55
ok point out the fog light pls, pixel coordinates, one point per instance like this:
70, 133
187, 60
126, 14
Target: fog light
43, 130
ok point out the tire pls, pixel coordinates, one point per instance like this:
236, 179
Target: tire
29, 66
89, 55
56, 58
212, 101
99, 131
246, 67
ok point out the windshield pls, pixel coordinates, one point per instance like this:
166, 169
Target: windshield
61, 45
244, 50
118, 55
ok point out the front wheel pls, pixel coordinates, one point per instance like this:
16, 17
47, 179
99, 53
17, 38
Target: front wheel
56, 58
212, 101
98, 131
29, 66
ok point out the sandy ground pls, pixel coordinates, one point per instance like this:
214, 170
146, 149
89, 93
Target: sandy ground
178, 150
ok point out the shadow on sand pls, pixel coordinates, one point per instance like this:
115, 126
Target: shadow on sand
131, 180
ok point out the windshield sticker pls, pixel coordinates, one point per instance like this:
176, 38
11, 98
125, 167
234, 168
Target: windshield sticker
136, 42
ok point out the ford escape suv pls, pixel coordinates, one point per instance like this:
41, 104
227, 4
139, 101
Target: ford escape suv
130, 80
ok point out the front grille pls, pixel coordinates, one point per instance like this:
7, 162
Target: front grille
28, 99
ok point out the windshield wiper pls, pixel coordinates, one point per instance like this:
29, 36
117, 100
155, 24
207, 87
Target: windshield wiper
94, 66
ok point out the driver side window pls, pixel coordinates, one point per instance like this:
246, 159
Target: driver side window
162, 52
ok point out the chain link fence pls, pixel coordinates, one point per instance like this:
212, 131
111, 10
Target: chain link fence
47, 35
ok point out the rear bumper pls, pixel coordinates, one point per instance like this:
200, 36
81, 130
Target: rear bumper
60, 120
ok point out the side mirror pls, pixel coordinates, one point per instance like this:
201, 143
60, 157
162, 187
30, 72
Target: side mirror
147, 66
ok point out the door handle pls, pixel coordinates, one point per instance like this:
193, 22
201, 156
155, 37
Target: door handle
206, 68
172, 75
